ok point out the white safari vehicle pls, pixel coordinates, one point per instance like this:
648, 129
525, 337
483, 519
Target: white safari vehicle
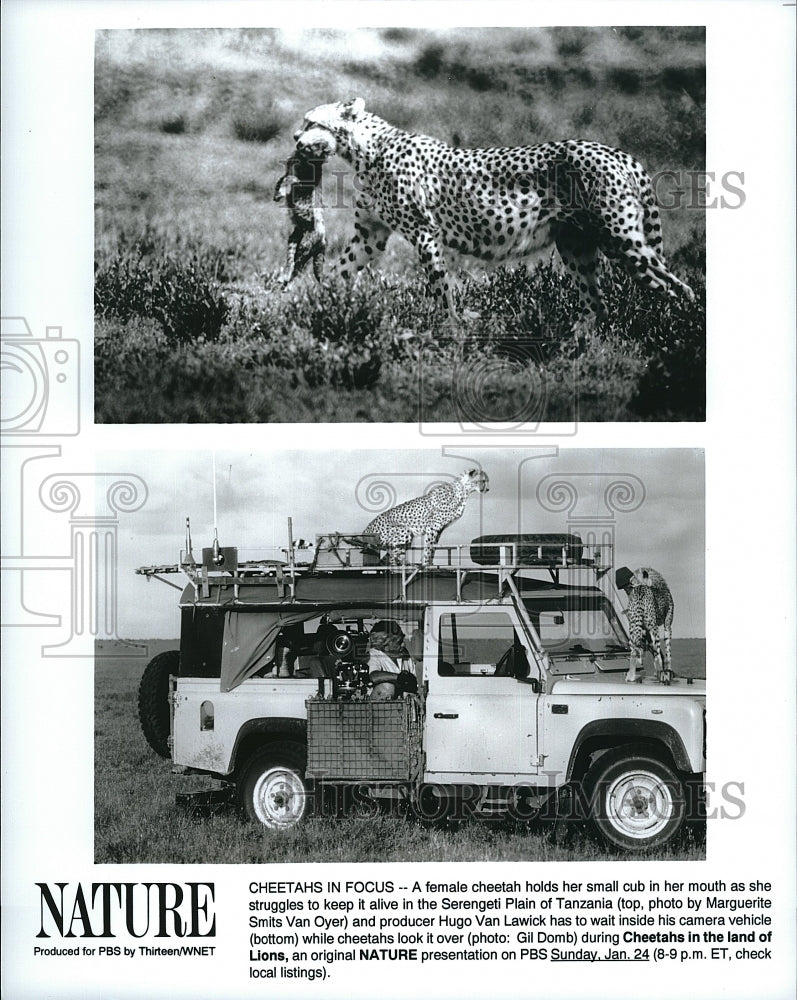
491, 685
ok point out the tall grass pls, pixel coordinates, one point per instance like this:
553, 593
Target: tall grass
232, 356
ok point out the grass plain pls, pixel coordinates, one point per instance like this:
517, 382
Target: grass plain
137, 820
192, 130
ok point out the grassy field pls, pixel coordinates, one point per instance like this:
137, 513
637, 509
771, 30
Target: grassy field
137, 820
192, 130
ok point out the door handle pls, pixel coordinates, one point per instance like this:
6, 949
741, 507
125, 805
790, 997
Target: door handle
446, 715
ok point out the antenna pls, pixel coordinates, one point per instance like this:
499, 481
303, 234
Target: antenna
213, 457
291, 560
291, 557
218, 558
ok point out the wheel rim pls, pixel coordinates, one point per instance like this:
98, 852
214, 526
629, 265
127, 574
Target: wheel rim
640, 805
279, 798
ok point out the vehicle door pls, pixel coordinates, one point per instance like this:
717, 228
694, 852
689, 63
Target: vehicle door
480, 702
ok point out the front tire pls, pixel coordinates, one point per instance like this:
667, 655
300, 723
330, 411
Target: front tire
637, 802
272, 789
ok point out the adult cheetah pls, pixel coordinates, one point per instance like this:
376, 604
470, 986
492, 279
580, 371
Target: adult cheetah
650, 614
494, 204
427, 515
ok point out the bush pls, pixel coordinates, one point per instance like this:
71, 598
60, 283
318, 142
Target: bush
252, 123
340, 334
171, 346
627, 81
570, 41
430, 62
173, 124
181, 294
140, 378
690, 80
664, 130
521, 304
668, 338
398, 35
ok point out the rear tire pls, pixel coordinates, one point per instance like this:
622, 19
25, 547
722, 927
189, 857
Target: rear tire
637, 802
154, 712
272, 789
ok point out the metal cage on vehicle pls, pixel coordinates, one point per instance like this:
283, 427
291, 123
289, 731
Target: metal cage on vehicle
363, 740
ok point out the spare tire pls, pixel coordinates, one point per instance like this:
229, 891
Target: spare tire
532, 550
153, 700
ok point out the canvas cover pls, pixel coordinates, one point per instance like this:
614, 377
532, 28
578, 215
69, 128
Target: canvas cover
249, 641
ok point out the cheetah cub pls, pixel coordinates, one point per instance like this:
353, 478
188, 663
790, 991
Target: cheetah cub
300, 189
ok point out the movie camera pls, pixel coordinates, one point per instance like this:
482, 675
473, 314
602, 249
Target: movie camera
350, 676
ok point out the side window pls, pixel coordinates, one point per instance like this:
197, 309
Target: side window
480, 645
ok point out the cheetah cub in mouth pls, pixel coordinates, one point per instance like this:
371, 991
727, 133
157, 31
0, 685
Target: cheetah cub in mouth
427, 515
300, 189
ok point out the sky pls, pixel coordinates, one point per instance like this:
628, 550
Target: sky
657, 517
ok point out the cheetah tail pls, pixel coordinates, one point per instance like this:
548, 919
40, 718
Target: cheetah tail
651, 219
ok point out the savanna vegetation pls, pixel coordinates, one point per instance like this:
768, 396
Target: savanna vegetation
192, 131
138, 821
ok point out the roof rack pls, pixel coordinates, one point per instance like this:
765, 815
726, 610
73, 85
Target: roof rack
350, 553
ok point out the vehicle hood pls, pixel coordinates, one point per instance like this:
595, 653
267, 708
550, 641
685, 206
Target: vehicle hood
602, 684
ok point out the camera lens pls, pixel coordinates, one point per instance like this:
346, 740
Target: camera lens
24, 387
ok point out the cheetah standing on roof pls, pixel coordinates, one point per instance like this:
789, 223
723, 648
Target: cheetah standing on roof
427, 515
650, 613
494, 203
300, 188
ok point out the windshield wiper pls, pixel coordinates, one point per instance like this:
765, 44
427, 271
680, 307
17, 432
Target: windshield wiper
577, 650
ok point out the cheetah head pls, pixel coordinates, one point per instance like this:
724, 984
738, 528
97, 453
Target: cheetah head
325, 129
625, 579
475, 479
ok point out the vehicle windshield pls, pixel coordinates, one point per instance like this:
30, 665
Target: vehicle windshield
578, 626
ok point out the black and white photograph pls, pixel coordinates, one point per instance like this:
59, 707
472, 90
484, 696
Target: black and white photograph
400, 224
390, 666
398, 490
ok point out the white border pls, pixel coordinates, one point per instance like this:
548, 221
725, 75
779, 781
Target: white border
749, 441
